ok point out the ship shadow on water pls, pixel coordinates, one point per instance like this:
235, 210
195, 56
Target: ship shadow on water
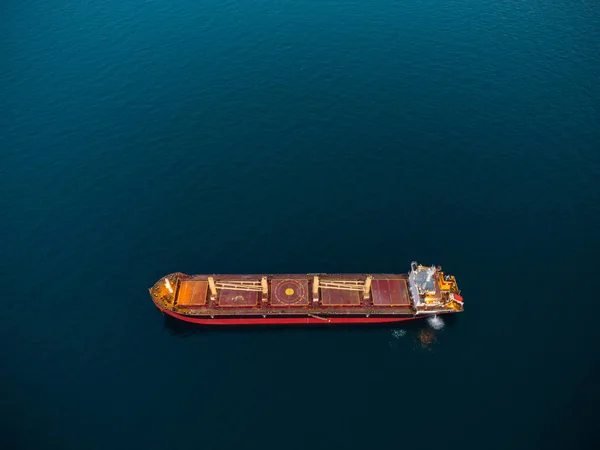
181, 328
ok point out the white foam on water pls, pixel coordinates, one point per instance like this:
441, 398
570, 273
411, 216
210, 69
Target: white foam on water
436, 322
398, 333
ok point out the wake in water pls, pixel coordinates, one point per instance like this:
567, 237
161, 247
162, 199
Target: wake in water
398, 333
435, 322
424, 337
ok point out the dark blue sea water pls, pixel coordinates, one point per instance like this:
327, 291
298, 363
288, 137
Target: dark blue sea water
142, 137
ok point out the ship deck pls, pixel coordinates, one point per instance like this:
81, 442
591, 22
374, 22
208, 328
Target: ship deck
291, 295
316, 311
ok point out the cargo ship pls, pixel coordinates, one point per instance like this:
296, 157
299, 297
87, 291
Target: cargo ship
304, 299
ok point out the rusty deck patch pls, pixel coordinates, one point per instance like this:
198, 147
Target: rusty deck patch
339, 297
390, 292
236, 299
192, 293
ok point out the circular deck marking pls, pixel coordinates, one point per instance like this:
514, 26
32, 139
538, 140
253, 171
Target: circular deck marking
290, 292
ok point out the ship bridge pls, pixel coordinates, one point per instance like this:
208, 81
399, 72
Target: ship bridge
433, 291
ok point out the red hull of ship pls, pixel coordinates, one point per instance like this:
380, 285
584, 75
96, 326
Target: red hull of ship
287, 320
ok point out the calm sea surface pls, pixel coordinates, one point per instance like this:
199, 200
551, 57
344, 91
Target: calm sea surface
142, 137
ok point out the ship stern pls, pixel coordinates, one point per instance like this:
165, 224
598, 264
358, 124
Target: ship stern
433, 291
